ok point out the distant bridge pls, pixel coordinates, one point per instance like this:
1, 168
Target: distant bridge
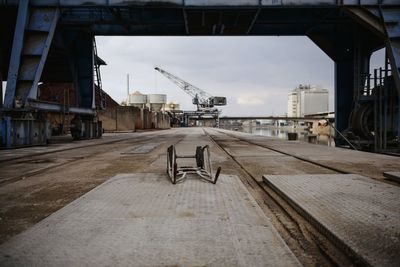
316, 118
330, 116
273, 118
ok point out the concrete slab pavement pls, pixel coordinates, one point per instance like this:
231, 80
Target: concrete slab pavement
357, 212
144, 220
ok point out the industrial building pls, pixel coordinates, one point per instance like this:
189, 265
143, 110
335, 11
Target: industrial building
307, 99
139, 112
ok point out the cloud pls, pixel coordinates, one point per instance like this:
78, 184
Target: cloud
255, 97
254, 73
249, 100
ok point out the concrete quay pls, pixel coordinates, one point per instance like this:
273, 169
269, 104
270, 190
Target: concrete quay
110, 202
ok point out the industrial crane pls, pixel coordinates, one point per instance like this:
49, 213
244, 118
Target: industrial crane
203, 100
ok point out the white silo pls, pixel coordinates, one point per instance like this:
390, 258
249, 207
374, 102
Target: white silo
137, 99
156, 101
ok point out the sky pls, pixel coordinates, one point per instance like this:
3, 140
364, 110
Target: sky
254, 73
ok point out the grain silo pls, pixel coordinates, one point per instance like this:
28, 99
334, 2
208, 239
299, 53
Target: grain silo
137, 99
156, 101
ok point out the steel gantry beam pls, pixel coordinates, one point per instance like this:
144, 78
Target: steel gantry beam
207, 3
348, 31
33, 34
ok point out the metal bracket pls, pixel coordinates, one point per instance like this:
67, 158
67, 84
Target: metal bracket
203, 165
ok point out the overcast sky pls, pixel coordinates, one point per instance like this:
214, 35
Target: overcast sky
254, 73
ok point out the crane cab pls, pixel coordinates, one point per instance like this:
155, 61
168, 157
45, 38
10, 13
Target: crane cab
218, 101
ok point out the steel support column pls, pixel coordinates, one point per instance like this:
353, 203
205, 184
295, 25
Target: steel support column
1, 76
391, 18
16, 52
83, 61
1, 88
32, 39
352, 57
344, 89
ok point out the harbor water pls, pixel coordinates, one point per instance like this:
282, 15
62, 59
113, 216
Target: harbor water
282, 133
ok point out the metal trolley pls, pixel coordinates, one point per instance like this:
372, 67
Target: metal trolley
203, 165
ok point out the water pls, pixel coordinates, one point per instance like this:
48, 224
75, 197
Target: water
281, 133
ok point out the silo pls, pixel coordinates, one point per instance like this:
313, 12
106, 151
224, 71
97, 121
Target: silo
137, 99
156, 101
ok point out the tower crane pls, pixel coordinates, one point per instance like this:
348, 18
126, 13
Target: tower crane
204, 101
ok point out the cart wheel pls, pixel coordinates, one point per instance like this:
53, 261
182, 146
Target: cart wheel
199, 157
217, 175
168, 164
175, 173
170, 153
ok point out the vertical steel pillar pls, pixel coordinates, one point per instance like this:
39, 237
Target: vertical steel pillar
391, 19
1, 77
83, 56
5, 132
16, 52
1, 88
33, 35
344, 90
351, 67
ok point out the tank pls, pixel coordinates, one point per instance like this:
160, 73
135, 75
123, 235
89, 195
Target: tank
137, 99
156, 101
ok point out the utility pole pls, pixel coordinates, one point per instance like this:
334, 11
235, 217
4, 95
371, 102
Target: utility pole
127, 87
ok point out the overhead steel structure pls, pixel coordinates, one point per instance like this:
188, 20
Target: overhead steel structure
52, 40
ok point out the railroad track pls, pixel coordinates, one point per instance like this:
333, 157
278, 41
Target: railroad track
26, 201
311, 245
69, 148
288, 154
80, 150
306, 241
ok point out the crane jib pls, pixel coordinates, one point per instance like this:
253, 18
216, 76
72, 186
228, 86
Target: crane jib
202, 99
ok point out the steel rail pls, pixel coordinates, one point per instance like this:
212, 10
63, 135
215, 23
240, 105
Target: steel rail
341, 246
69, 161
290, 155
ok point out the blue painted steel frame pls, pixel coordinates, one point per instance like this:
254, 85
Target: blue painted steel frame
348, 67
83, 56
33, 91
208, 3
5, 130
15, 60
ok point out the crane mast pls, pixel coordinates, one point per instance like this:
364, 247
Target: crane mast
202, 99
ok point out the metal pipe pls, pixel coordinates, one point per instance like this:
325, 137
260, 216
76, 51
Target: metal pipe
398, 121
127, 88
342, 135
47, 106
380, 110
1, 88
385, 99
376, 137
